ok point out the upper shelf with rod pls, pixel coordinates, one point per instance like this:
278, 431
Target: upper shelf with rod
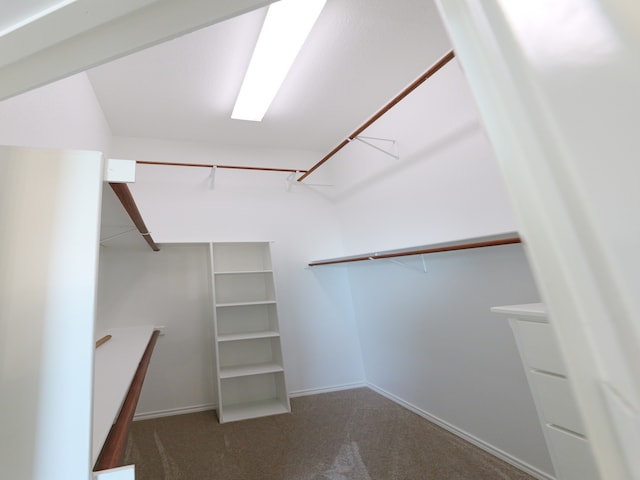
478, 242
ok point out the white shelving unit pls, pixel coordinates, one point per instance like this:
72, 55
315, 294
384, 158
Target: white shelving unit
250, 370
560, 420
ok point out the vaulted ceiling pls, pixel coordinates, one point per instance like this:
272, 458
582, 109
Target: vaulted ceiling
359, 54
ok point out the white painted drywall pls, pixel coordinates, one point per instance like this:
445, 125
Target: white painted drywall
430, 340
49, 212
318, 332
445, 186
169, 288
64, 114
556, 83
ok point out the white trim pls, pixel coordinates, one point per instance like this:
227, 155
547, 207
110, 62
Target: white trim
86, 33
212, 406
169, 412
334, 388
487, 447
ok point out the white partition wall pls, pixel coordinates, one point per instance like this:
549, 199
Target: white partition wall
49, 218
557, 86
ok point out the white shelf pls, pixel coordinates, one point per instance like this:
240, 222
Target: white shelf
247, 336
245, 272
534, 310
240, 304
263, 408
115, 364
246, 370
250, 371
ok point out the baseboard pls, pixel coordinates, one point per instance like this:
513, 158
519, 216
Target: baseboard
333, 388
211, 406
487, 447
174, 411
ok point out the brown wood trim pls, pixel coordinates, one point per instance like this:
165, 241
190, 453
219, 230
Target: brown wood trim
124, 195
415, 84
209, 165
103, 340
114, 446
424, 251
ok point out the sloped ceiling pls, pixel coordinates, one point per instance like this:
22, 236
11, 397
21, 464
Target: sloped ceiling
359, 55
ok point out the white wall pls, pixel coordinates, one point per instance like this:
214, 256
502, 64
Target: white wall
64, 114
561, 110
169, 288
445, 186
319, 337
50, 213
430, 340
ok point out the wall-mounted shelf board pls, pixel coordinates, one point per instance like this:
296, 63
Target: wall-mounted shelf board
469, 243
244, 272
115, 364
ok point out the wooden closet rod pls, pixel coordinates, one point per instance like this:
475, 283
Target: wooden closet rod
416, 83
113, 448
236, 167
444, 248
124, 195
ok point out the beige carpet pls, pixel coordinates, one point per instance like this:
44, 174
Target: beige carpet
349, 435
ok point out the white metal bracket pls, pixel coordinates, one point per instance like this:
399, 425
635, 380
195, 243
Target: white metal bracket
291, 180
395, 153
212, 177
410, 267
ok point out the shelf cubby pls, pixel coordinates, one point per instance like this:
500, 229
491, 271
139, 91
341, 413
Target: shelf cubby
253, 396
247, 319
244, 288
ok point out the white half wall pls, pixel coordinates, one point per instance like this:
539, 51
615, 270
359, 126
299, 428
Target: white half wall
50, 217
557, 85
64, 114
430, 340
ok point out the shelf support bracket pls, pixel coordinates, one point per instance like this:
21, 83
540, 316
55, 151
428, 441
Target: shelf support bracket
212, 177
393, 153
397, 262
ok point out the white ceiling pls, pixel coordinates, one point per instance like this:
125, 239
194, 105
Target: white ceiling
359, 55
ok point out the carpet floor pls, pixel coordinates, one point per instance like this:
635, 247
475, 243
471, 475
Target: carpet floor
348, 435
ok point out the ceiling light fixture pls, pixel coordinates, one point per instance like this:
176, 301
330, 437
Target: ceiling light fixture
31, 15
283, 33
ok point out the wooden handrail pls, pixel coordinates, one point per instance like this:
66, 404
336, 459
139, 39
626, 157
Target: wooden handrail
423, 251
114, 446
124, 195
446, 58
209, 165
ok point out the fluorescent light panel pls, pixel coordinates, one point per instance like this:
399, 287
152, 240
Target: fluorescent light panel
29, 12
283, 33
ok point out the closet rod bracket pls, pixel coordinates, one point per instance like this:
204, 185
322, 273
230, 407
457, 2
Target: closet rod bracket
395, 153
